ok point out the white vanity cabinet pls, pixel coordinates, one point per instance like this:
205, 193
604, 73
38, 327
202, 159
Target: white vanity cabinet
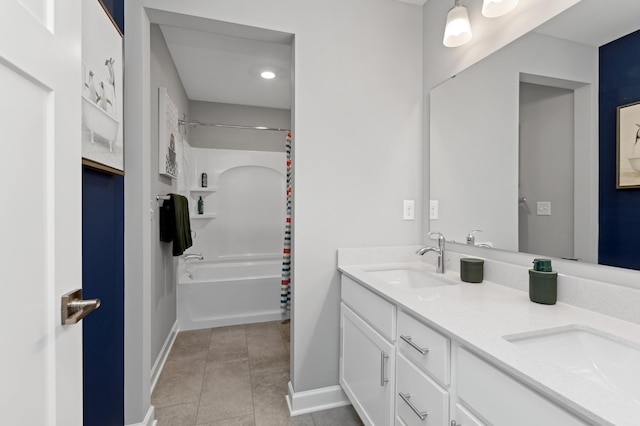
397, 370
367, 354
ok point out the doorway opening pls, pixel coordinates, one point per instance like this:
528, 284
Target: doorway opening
231, 161
546, 170
557, 196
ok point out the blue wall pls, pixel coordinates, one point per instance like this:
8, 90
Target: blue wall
619, 208
103, 278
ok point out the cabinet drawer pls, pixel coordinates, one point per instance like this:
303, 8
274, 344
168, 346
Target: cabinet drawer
462, 417
501, 400
379, 313
420, 390
436, 358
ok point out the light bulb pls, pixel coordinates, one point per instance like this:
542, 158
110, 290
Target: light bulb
267, 75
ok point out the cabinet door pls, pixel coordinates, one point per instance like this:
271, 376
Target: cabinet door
367, 366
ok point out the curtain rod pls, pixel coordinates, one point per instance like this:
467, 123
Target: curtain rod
230, 126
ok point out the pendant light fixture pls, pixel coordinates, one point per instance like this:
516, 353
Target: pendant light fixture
458, 29
495, 8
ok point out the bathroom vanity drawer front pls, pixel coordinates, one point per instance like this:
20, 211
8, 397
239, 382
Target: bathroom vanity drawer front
374, 309
419, 399
501, 400
462, 417
426, 348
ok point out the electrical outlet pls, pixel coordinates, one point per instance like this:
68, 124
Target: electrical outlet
408, 210
433, 209
543, 208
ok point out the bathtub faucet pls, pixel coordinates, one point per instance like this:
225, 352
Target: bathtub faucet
193, 256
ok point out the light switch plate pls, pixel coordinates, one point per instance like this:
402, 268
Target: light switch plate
433, 209
543, 208
408, 210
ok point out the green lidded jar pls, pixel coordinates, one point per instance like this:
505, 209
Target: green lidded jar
471, 270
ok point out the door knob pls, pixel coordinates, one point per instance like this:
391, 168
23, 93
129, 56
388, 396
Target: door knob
74, 308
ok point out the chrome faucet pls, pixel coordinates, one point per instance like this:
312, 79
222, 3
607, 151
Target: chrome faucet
439, 250
193, 256
471, 239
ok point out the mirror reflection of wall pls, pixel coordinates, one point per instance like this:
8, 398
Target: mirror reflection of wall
480, 157
474, 134
546, 153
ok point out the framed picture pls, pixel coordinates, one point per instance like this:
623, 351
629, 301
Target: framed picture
628, 146
168, 135
102, 90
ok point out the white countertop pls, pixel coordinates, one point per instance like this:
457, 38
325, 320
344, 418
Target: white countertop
478, 316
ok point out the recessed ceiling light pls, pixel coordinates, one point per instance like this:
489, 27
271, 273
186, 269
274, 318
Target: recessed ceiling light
267, 75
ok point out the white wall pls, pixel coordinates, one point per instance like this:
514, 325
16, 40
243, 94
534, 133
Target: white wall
474, 135
163, 271
244, 115
137, 231
358, 111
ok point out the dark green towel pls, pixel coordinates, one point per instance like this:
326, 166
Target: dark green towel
174, 223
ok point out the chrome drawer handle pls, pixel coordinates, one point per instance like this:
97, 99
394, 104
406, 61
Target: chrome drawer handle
407, 339
383, 379
405, 397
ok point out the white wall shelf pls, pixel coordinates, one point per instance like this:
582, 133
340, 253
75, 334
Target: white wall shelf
199, 221
205, 216
202, 192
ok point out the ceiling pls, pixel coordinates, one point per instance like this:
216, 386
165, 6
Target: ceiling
594, 22
225, 68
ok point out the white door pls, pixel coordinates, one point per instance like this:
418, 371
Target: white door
40, 217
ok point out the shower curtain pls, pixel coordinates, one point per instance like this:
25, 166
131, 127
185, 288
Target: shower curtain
285, 287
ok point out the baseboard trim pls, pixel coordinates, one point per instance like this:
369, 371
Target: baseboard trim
315, 400
162, 356
149, 419
190, 324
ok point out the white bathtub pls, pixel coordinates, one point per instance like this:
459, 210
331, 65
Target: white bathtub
214, 294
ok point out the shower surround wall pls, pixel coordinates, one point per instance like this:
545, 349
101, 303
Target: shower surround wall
248, 203
240, 236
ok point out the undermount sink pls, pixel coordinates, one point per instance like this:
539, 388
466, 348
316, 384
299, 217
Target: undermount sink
408, 277
603, 359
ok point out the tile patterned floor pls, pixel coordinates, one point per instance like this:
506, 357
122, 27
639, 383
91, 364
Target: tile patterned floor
233, 376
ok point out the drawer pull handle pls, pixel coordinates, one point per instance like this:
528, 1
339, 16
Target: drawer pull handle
405, 397
407, 339
383, 379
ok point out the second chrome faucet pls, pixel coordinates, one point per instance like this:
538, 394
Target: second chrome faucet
439, 249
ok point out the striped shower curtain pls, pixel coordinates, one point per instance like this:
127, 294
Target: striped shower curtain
285, 287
